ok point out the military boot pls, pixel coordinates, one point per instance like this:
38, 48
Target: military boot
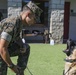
21, 72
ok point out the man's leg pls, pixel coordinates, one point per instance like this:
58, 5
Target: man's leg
23, 59
3, 67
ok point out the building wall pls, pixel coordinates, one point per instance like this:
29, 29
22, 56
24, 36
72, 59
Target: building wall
3, 7
72, 5
3, 4
14, 7
72, 20
56, 18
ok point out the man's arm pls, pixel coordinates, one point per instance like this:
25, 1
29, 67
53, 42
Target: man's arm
5, 54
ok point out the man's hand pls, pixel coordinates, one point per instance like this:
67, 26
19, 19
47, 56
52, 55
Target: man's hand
35, 34
16, 69
22, 50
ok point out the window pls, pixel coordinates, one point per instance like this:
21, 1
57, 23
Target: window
44, 16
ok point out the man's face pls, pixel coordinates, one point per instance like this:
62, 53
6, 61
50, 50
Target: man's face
30, 19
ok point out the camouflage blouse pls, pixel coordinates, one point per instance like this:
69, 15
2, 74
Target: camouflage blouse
10, 28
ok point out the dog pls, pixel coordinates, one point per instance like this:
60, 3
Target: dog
70, 60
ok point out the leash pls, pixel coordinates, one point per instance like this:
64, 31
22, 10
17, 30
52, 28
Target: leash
29, 71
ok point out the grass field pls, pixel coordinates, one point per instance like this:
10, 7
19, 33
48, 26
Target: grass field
44, 60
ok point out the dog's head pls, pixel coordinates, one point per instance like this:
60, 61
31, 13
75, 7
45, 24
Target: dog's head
71, 45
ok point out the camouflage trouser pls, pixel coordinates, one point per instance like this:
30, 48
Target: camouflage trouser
22, 58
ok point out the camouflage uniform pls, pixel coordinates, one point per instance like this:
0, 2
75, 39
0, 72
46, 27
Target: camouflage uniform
10, 29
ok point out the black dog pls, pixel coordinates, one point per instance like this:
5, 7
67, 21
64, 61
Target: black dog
70, 45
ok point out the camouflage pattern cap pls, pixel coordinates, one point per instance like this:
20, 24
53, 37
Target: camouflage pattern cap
35, 9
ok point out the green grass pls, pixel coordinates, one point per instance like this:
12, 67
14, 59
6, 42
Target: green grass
44, 60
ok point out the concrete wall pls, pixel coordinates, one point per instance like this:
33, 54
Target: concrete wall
56, 18
14, 7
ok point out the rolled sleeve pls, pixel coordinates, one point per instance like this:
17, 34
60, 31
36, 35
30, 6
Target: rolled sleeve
6, 36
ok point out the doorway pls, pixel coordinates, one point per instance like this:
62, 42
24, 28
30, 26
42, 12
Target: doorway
66, 20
